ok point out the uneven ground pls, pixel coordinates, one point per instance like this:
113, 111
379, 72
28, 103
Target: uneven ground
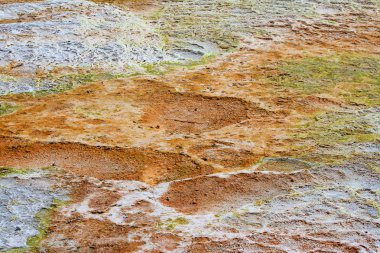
189, 126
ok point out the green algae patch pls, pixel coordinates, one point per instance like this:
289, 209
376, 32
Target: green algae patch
354, 77
372, 202
5, 171
172, 223
164, 67
30, 196
375, 204
340, 128
6, 108
261, 202
17, 250
44, 220
71, 81
335, 137
44, 223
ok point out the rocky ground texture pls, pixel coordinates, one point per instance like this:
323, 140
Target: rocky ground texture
189, 126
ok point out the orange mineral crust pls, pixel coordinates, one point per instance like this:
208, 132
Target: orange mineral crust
189, 126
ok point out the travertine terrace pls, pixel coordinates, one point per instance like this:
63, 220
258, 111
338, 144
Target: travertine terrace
189, 126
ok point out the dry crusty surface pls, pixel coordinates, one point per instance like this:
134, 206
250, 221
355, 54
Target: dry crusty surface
145, 165
222, 194
267, 140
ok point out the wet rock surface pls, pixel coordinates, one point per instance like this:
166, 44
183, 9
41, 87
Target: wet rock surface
189, 126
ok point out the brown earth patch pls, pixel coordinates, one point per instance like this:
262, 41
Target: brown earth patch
189, 113
165, 242
103, 201
101, 162
270, 242
75, 234
203, 245
212, 193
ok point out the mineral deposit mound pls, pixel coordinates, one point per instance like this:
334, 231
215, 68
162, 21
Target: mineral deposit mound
189, 126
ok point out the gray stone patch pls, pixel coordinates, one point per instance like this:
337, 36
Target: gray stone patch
22, 197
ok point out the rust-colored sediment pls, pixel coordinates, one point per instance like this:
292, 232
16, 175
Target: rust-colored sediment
101, 162
218, 194
188, 113
103, 201
88, 233
269, 243
225, 116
